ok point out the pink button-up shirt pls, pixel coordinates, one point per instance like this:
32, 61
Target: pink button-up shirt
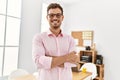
48, 44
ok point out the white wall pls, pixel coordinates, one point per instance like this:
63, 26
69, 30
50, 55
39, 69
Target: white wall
102, 16
30, 25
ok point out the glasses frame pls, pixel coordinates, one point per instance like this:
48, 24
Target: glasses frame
52, 15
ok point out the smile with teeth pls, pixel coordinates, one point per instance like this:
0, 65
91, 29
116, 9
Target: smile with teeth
55, 21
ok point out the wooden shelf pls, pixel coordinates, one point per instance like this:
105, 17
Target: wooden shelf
99, 65
100, 68
81, 62
88, 35
88, 53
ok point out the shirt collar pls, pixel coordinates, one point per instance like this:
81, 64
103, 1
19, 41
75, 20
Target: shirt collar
51, 34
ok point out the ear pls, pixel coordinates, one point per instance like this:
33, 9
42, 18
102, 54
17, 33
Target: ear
62, 17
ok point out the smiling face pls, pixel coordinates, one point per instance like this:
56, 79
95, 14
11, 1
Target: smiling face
55, 18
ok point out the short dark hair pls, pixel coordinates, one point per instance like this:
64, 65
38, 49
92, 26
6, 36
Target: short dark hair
53, 6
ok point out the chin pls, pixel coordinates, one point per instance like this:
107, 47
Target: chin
55, 27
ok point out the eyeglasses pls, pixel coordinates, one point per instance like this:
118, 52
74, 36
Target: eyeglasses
58, 15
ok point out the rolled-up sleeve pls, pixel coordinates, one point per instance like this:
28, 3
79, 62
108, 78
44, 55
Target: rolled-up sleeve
38, 53
71, 48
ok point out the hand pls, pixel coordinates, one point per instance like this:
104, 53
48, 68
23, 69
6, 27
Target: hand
72, 58
62, 65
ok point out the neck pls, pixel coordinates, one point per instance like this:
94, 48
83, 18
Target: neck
55, 31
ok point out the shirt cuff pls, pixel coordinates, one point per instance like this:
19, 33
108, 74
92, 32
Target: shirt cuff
45, 62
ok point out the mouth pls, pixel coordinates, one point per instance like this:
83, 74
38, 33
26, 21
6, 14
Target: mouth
55, 21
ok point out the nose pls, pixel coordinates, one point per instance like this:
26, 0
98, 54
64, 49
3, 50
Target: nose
54, 17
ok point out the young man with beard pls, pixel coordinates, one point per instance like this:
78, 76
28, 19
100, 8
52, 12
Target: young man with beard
53, 51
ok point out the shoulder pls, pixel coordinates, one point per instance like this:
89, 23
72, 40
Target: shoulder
39, 35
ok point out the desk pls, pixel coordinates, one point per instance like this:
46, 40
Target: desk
25, 77
80, 75
76, 76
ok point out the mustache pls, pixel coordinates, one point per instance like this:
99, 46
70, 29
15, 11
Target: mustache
55, 20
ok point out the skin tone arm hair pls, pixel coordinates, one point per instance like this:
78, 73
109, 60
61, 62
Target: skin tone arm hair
60, 60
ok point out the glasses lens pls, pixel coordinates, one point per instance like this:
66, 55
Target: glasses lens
58, 15
53, 15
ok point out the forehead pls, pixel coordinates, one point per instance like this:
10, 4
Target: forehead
54, 10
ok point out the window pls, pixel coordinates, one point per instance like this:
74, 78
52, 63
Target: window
10, 18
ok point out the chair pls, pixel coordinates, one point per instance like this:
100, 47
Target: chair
90, 67
36, 74
17, 73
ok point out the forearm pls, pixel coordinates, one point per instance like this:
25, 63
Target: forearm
58, 61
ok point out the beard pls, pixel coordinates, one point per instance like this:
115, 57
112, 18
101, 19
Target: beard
56, 27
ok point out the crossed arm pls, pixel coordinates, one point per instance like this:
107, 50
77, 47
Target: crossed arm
60, 60
46, 61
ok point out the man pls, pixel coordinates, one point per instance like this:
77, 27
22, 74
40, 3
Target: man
53, 51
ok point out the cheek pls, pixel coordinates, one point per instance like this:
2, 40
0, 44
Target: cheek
48, 19
61, 19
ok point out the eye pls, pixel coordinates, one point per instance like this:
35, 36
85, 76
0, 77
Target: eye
51, 15
58, 15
